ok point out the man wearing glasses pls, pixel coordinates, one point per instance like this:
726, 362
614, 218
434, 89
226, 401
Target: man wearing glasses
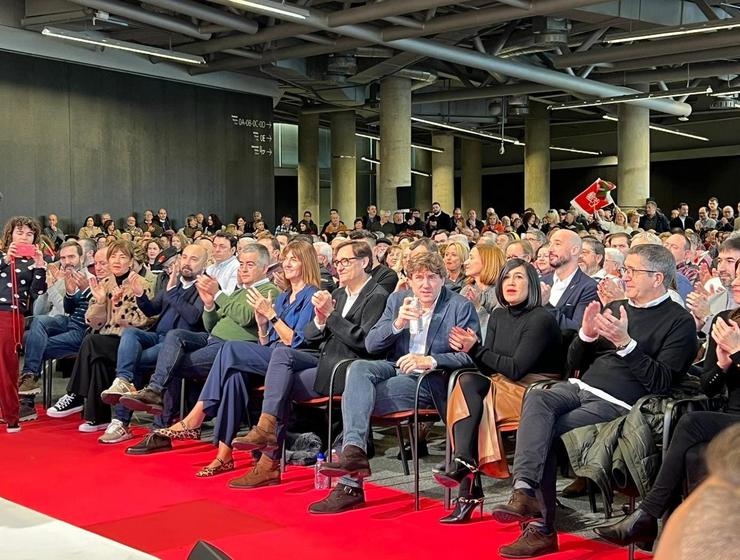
632, 348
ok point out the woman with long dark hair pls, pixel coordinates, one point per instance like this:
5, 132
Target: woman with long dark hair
22, 276
213, 224
522, 346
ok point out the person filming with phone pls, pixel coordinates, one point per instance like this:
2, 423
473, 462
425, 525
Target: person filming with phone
23, 274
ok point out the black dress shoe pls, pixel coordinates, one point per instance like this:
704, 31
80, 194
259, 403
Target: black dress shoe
638, 527
153, 443
470, 498
459, 470
352, 461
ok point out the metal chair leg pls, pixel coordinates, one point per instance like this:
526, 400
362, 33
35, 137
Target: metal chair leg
631, 510
182, 398
282, 458
402, 444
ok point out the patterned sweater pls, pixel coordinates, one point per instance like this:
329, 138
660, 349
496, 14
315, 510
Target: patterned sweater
107, 317
31, 283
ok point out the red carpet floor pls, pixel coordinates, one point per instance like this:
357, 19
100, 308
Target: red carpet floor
155, 504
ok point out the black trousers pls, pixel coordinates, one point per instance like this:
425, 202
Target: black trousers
546, 415
93, 372
692, 429
474, 389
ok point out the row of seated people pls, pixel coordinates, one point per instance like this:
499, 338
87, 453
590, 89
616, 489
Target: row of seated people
630, 349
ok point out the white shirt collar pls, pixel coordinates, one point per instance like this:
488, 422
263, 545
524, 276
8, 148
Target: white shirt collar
566, 280
652, 303
351, 295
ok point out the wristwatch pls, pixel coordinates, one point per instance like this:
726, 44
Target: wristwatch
623, 346
275, 319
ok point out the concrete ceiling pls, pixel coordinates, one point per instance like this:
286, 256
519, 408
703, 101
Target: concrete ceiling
484, 53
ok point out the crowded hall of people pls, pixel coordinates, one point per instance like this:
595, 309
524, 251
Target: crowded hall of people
331, 273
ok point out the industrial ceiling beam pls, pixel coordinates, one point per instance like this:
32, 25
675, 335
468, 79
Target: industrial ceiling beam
207, 13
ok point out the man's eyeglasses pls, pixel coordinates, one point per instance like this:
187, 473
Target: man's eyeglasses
626, 270
344, 263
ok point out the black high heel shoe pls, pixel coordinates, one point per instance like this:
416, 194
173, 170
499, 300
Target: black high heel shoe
455, 473
465, 504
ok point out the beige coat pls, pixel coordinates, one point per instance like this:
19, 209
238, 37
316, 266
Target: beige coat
117, 311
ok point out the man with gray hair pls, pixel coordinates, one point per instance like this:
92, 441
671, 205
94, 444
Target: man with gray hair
324, 256
613, 262
632, 348
591, 259
536, 238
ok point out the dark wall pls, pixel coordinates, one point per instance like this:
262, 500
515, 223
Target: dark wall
76, 140
689, 180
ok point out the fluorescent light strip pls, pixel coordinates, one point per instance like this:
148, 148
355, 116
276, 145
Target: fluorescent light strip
725, 92
413, 171
575, 151
278, 8
122, 46
466, 130
664, 129
628, 98
673, 32
417, 146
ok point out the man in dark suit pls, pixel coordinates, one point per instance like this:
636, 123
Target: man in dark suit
343, 319
567, 291
683, 221
413, 332
385, 277
653, 219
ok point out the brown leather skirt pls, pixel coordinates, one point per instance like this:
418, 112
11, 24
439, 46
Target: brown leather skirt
502, 407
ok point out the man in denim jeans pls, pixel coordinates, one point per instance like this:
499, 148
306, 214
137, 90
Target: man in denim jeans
378, 387
179, 307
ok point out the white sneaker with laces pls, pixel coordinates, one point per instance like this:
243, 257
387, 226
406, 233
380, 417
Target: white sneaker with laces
116, 432
89, 427
118, 388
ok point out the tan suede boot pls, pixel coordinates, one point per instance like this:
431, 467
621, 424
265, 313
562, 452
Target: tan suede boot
263, 436
265, 473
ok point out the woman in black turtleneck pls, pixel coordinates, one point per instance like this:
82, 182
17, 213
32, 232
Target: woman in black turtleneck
721, 370
523, 345
112, 308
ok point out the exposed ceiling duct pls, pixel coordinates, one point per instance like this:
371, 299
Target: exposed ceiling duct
206, 13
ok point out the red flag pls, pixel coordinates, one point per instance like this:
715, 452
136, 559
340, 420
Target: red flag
596, 196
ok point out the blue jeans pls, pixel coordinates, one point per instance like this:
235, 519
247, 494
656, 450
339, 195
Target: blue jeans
137, 354
374, 388
50, 337
187, 350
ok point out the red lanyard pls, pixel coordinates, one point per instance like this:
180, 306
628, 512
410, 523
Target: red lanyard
14, 307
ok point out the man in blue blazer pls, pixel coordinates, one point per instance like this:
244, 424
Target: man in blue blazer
414, 340
567, 291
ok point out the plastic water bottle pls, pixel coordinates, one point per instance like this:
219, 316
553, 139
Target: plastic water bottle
416, 325
320, 481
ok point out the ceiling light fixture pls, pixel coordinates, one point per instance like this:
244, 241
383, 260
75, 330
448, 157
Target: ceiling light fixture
662, 33
467, 130
81, 37
635, 97
663, 129
372, 161
575, 151
417, 146
273, 8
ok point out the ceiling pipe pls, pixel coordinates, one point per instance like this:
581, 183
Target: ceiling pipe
274, 33
466, 94
682, 58
380, 10
206, 13
674, 74
142, 16
655, 48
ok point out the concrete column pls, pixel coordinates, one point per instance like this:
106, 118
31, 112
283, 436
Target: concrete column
537, 158
470, 183
633, 154
423, 185
395, 139
308, 166
344, 165
443, 172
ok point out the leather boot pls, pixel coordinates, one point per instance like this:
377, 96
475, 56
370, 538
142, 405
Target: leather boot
532, 542
638, 527
521, 507
265, 473
353, 461
263, 436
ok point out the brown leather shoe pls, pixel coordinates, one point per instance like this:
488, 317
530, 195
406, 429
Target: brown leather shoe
353, 461
521, 507
576, 489
532, 542
265, 473
263, 436
342, 498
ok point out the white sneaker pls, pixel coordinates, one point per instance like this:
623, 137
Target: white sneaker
119, 388
116, 433
89, 427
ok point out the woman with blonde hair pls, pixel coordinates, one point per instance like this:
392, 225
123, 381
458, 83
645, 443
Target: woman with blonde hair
455, 254
482, 267
279, 324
